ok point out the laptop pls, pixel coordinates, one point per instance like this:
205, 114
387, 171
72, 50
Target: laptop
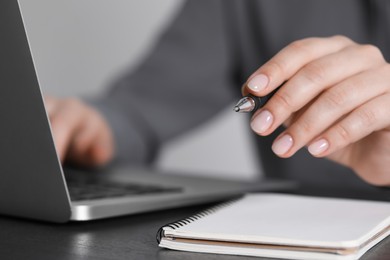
33, 184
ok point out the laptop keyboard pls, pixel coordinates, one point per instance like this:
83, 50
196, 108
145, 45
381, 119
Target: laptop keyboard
100, 190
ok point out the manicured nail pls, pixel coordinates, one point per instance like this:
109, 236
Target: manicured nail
262, 122
282, 145
318, 147
258, 83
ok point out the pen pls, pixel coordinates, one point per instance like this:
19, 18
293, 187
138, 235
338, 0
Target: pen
251, 103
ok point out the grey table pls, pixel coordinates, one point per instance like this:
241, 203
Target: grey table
129, 237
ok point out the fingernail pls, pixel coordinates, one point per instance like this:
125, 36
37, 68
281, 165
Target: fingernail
262, 122
258, 83
318, 147
282, 145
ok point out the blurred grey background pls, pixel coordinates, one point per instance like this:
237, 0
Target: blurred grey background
81, 46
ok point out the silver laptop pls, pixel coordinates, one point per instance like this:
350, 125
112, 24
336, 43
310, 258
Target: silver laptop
32, 182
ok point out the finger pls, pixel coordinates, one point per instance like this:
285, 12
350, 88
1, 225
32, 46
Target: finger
82, 140
92, 145
102, 151
330, 107
316, 77
290, 59
51, 105
360, 123
244, 90
295, 116
65, 122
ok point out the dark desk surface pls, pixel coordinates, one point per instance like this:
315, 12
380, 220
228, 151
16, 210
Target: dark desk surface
130, 237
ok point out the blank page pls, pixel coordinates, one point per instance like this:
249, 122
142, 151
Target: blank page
291, 220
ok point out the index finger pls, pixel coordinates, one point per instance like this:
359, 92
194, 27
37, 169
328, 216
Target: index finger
289, 60
64, 123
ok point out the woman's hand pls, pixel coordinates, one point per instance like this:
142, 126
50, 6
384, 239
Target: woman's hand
336, 101
81, 134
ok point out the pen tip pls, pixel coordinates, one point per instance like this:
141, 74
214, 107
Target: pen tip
236, 109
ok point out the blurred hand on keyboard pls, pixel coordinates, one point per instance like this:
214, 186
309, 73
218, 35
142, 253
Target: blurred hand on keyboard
81, 134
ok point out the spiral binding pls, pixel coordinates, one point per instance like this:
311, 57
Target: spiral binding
183, 222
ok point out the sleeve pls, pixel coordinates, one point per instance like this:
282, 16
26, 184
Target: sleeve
186, 79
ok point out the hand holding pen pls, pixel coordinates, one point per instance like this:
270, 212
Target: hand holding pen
335, 100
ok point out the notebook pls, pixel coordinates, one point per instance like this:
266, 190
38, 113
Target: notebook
282, 226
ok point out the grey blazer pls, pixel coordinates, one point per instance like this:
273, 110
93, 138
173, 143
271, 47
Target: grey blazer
200, 62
